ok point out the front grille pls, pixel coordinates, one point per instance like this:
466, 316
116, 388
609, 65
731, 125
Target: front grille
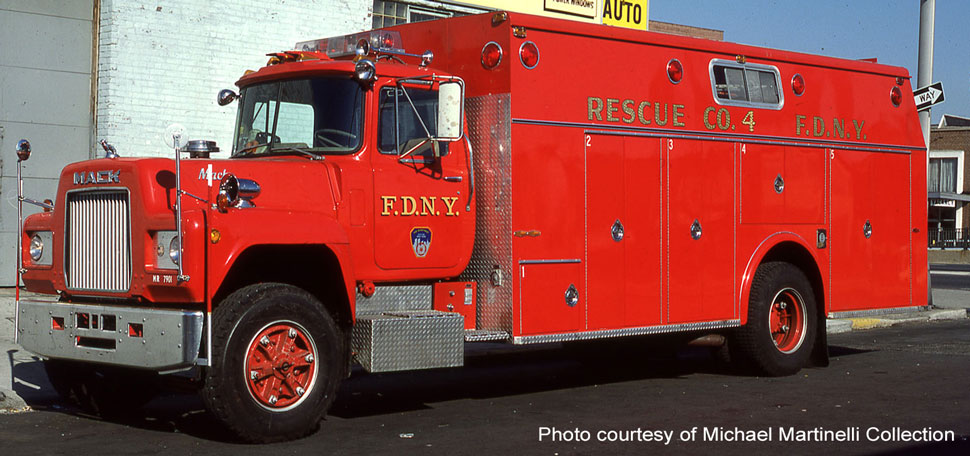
98, 251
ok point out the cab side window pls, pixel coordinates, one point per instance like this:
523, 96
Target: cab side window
400, 127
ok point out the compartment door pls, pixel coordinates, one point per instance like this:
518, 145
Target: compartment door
701, 230
623, 231
552, 299
871, 238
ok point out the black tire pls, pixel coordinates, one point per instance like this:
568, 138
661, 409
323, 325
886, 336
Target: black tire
270, 406
106, 391
782, 322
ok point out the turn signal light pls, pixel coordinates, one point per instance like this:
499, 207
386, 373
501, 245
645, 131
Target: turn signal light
491, 55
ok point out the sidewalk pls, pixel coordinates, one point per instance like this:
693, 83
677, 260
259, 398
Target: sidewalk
21, 373
23, 380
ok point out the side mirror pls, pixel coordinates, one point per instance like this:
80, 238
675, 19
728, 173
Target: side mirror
226, 96
23, 150
449, 110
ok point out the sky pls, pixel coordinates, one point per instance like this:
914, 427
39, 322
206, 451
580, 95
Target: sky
855, 29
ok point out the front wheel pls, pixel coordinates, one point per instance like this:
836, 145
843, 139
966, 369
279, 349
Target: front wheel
277, 363
781, 329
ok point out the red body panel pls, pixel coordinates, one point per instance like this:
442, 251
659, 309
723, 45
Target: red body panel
592, 126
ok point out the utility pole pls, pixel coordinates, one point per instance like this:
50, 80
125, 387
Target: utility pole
924, 77
924, 73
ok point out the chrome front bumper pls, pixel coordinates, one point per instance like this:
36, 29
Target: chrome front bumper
157, 339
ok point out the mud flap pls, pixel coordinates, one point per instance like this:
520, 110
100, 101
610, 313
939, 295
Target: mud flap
820, 352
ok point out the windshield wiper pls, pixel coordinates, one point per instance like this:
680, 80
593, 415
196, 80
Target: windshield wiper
248, 149
312, 155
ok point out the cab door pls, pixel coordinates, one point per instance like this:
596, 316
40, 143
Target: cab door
421, 197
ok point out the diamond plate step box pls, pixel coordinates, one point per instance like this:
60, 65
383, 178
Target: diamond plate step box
409, 340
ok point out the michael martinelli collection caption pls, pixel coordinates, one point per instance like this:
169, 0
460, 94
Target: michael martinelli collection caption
735, 434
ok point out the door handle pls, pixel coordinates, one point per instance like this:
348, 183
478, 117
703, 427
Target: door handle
453, 178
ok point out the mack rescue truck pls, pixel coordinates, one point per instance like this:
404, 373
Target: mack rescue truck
394, 195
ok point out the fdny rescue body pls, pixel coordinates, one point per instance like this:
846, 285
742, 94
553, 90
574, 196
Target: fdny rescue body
525, 180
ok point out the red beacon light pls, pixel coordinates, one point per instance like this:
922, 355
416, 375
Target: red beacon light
491, 55
896, 96
798, 84
675, 71
529, 54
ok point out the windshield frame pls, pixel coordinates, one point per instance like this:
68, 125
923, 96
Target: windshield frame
270, 148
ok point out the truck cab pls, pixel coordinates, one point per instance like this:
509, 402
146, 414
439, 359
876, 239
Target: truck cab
349, 169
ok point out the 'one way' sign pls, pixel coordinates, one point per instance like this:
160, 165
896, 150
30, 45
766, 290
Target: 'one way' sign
928, 96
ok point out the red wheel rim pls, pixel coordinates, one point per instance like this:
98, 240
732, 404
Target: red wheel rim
786, 320
281, 365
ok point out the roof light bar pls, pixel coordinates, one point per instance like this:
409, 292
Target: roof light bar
386, 41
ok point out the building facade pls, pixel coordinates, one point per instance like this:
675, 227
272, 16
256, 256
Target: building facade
947, 186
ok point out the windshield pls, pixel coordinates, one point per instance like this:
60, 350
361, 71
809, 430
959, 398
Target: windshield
317, 116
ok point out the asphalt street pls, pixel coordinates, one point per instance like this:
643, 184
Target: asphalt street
913, 377
950, 277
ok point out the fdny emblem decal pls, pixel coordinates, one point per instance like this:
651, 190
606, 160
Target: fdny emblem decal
421, 241
97, 177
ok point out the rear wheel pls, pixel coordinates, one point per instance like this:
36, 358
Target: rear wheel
277, 364
781, 329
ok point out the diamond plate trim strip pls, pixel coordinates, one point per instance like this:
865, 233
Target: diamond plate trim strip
394, 298
490, 130
587, 335
473, 335
871, 312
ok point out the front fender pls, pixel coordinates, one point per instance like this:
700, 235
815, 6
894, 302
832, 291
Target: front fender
239, 229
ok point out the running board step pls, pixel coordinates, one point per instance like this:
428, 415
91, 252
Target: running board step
484, 335
409, 340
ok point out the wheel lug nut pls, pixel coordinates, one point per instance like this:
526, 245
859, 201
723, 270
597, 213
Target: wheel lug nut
292, 333
784, 328
309, 358
272, 400
300, 391
264, 341
782, 306
253, 375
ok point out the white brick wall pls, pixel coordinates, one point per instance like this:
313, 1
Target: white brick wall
163, 61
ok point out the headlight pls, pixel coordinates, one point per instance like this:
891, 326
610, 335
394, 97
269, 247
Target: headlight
173, 250
36, 248
236, 192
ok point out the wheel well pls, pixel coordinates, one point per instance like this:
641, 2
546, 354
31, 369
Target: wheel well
791, 252
313, 268
796, 254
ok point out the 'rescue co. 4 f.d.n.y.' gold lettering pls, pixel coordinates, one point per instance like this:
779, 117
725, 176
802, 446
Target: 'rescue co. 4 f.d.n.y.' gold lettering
418, 206
818, 127
630, 111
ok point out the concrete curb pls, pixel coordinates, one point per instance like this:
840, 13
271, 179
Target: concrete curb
838, 326
10, 402
842, 325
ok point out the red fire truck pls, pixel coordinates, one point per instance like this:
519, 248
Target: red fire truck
395, 194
